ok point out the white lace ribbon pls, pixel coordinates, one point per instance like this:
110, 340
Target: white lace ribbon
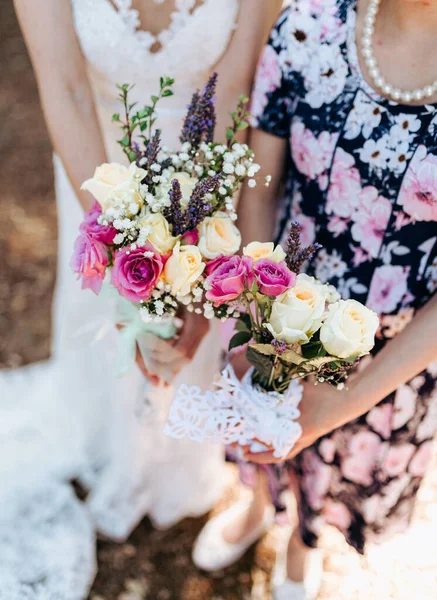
237, 412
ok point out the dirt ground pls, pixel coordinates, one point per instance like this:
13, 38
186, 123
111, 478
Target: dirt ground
154, 565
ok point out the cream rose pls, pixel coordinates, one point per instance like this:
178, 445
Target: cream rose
186, 182
349, 329
183, 269
160, 235
298, 314
259, 250
129, 194
107, 177
218, 236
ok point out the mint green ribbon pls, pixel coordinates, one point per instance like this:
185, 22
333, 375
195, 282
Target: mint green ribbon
135, 331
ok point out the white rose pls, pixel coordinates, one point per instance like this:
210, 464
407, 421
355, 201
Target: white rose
160, 235
186, 182
218, 235
349, 330
183, 269
129, 194
298, 313
259, 250
109, 176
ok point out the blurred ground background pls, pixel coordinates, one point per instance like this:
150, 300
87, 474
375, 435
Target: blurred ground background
154, 565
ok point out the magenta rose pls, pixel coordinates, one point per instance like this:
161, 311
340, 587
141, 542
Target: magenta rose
229, 279
190, 238
273, 279
136, 272
89, 261
212, 265
91, 226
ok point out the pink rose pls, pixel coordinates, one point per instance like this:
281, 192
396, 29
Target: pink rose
212, 265
397, 459
404, 406
229, 279
379, 419
387, 288
190, 238
336, 514
418, 193
363, 454
136, 272
90, 225
344, 191
89, 261
273, 278
421, 460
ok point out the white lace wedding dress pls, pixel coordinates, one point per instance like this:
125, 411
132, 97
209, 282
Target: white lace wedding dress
71, 417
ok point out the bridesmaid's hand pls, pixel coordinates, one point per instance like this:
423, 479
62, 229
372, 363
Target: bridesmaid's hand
320, 406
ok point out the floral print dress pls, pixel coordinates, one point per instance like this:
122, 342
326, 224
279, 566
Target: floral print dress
362, 180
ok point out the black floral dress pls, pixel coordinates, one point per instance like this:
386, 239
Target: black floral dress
362, 180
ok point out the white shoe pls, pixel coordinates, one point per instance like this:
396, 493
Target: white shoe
286, 589
211, 552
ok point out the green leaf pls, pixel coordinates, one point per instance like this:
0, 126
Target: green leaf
263, 364
313, 350
166, 93
143, 125
254, 289
266, 349
241, 326
243, 98
292, 357
239, 339
243, 125
161, 82
125, 141
115, 117
229, 133
132, 156
155, 99
246, 320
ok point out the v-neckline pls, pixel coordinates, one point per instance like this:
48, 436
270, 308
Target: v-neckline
124, 10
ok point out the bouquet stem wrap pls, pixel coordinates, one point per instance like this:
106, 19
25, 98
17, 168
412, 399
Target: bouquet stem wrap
237, 412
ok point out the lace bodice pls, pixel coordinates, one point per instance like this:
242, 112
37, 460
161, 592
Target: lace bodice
117, 50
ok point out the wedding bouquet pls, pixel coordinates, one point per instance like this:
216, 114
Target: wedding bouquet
157, 224
294, 327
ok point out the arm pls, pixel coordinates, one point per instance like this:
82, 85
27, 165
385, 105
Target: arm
237, 67
258, 206
324, 408
64, 88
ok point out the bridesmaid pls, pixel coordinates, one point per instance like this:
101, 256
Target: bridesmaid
346, 99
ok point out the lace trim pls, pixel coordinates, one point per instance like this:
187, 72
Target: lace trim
178, 20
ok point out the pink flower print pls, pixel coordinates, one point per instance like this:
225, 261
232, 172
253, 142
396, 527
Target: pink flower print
307, 153
404, 406
308, 232
379, 419
316, 480
421, 460
268, 79
344, 192
387, 288
336, 514
397, 459
337, 226
359, 257
327, 449
401, 220
371, 220
418, 194
362, 457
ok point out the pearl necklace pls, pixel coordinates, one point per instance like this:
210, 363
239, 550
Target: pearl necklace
372, 65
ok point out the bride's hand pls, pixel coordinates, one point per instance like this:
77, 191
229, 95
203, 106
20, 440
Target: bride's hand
173, 355
319, 416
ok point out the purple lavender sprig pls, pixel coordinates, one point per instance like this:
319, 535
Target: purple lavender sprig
151, 155
200, 121
198, 207
173, 213
296, 255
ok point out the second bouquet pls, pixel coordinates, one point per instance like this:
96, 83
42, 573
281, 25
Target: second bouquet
292, 327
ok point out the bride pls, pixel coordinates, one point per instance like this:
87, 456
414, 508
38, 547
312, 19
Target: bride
78, 419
